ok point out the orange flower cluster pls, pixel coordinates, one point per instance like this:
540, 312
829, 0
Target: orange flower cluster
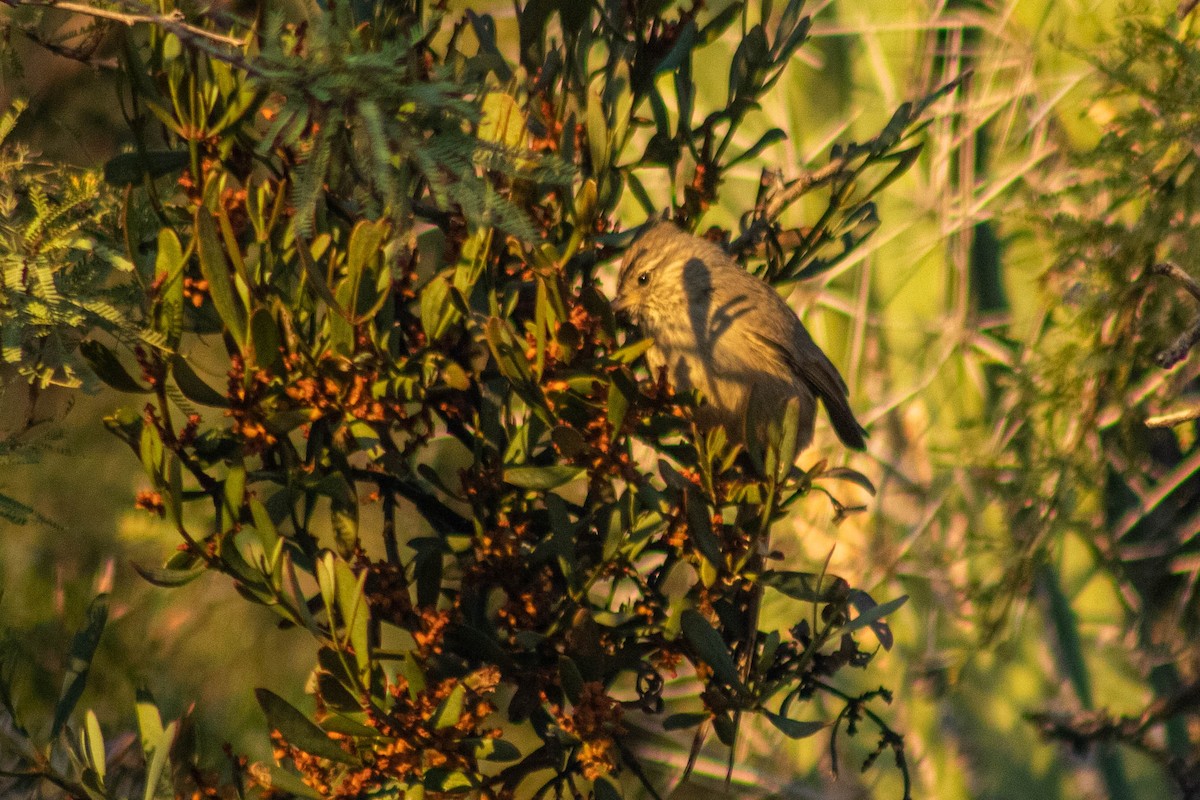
595, 720
417, 743
245, 405
150, 501
430, 632
501, 560
418, 739
194, 290
387, 593
352, 397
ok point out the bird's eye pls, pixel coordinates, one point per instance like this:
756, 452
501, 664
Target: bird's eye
643, 279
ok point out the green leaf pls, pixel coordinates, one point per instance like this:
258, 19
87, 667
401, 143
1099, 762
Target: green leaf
606, 789
806, 586
631, 352
438, 312
83, 649
851, 476
571, 679
491, 749
686, 719
193, 386
709, 646
451, 709
681, 49
502, 121
870, 614
130, 168
352, 603
168, 275
93, 744
109, 368
264, 338
619, 392
793, 728
156, 763
597, 132
169, 578
542, 477
362, 268
298, 730
149, 722
289, 782
215, 269
700, 527
766, 140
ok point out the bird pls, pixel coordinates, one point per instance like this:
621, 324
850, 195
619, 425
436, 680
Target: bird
719, 329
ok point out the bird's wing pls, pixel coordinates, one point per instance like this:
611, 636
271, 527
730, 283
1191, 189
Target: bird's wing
812, 367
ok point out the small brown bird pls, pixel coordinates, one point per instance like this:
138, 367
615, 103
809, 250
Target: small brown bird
719, 329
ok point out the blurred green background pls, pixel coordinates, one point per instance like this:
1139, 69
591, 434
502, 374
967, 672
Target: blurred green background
959, 279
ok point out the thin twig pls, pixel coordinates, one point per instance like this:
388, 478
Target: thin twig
779, 201
1188, 339
1175, 417
173, 22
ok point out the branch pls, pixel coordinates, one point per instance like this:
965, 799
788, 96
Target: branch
1188, 339
1095, 727
1175, 417
777, 202
214, 44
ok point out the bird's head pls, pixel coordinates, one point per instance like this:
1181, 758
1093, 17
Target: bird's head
651, 270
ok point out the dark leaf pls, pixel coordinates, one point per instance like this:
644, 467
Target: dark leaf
542, 477
709, 646
109, 368
83, 649
793, 728
684, 720
299, 730
130, 168
806, 586
169, 578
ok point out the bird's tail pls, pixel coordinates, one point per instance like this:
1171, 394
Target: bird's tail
845, 425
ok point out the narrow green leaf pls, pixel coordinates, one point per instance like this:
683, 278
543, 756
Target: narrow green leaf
618, 401
157, 761
766, 140
806, 586
216, 271
571, 679
491, 749
872, 615
130, 168
149, 722
290, 783
793, 728
83, 649
542, 477
606, 789
93, 744
631, 352
700, 527
265, 340
352, 603
851, 476
193, 386
109, 368
299, 730
709, 646
451, 709
685, 720
169, 578
168, 275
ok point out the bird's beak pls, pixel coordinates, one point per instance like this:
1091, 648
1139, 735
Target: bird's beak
621, 304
